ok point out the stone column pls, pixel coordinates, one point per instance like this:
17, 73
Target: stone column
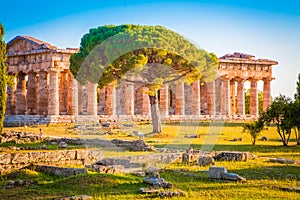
145, 104
266, 94
232, 95
129, 99
225, 97
188, 100
211, 105
70, 83
253, 98
75, 98
11, 98
21, 94
196, 98
203, 99
53, 107
111, 100
102, 101
92, 99
240, 98
31, 94
180, 104
63, 92
164, 100
43, 93
80, 97
120, 102
218, 96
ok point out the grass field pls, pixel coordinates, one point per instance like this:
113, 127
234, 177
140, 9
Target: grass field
266, 180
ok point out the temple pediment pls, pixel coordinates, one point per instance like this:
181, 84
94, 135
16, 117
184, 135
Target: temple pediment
26, 43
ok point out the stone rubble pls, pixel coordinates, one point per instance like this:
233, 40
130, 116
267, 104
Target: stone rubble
132, 145
284, 161
170, 193
220, 173
154, 179
18, 137
80, 197
19, 183
62, 145
206, 160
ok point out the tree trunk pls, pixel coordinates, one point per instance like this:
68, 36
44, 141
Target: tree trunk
155, 115
253, 140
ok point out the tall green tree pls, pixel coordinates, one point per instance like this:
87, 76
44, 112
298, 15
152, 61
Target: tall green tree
3, 78
297, 94
295, 117
280, 113
148, 56
254, 129
296, 111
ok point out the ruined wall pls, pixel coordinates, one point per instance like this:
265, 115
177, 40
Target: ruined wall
13, 161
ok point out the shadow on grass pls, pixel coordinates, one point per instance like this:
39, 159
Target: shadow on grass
282, 172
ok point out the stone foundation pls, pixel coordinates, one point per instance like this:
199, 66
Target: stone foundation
10, 162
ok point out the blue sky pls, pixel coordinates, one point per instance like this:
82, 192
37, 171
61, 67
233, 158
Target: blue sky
266, 29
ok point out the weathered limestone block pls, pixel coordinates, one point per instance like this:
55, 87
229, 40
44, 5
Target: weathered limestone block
59, 171
220, 173
21, 158
134, 145
80, 197
283, 161
233, 156
206, 161
216, 172
5, 159
69, 155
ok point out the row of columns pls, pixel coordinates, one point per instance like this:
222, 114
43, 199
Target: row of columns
51, 93
221, 97
43, 93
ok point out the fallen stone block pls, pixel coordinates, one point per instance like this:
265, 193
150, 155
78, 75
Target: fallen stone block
283, 161
80, 197
149, 190
170, 193
233, 156
220, 173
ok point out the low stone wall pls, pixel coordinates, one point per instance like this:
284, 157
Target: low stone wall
58, 171
18, 137
13, 161
129, 161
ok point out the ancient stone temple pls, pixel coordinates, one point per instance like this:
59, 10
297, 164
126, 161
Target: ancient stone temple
44, 90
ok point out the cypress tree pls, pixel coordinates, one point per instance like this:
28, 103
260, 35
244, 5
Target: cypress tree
3, 78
